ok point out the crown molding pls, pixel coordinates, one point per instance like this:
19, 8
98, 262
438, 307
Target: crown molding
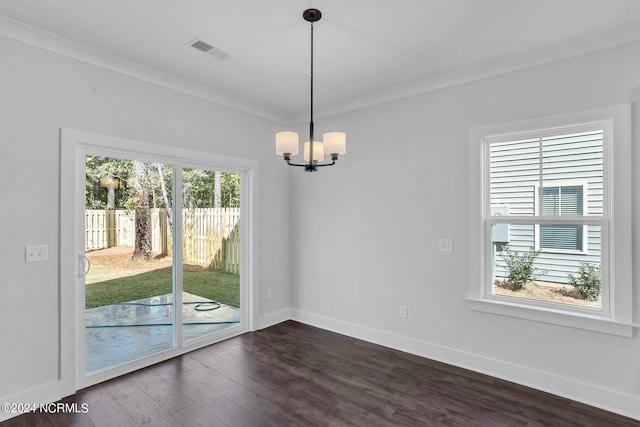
508, 64
526, 59
18, 31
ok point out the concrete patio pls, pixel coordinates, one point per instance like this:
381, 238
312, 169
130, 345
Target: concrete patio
119, 333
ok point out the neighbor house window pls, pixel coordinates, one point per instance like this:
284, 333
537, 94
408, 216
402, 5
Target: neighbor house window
567, 201
547, 216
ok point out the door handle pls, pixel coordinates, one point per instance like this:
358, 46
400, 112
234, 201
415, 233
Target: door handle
84, 265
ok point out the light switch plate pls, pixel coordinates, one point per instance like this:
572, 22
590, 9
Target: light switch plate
36, 253
404, 312
446, 245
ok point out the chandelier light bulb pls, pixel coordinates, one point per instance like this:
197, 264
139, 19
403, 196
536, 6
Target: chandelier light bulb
287, 143
335, 142
318, 151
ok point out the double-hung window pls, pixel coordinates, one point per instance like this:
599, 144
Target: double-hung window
551, 208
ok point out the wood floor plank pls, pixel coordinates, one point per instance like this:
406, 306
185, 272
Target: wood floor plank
144, 411
196, 416
104, 411
296, 375
162, 392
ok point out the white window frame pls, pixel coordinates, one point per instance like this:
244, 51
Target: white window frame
616, 316
585, 234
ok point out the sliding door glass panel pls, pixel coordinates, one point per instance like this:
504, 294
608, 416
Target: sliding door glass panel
129, 309
210, 251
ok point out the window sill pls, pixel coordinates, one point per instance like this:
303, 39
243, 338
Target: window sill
587, 322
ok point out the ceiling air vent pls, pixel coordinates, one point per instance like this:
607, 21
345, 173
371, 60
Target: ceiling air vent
209, 49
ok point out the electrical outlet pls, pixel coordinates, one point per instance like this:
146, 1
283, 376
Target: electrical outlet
446, 245
36, 253
269, 294
404, 312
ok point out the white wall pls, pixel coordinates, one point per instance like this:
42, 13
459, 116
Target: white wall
41, 92
403, 184
376, 217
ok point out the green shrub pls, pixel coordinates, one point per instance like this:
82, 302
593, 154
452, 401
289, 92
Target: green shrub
520, 268
587, 282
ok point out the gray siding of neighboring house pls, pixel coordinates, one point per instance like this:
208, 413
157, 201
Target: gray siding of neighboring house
515, 170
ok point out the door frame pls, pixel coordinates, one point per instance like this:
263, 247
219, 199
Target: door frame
74, 145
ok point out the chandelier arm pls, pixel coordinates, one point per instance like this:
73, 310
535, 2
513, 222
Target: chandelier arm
326, 164
296, 164
311, 165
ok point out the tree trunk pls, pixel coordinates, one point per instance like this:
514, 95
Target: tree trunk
165, 195
111, 193
217, 189
142, 249
96, 191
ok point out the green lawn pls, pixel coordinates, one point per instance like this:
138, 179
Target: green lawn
103, 289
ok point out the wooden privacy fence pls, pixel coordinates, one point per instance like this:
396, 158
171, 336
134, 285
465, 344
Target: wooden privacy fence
107, 228
211, 236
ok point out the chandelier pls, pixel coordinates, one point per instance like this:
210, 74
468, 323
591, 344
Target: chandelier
333, 143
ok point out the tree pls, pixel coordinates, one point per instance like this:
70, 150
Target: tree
217, 189
142, 248
197, 188
230, 192
111, 192
206, 189
105, 182
162, 177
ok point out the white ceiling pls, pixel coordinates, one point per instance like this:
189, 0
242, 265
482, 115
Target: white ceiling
365, 51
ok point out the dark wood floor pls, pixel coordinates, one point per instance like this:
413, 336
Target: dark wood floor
296, 375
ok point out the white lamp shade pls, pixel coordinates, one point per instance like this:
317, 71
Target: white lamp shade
335, 142
318, 151
287, 143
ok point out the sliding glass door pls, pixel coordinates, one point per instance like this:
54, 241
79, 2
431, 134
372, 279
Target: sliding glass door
160, 267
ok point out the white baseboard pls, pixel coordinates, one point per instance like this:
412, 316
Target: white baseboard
273, 318
603, 398
46, 393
